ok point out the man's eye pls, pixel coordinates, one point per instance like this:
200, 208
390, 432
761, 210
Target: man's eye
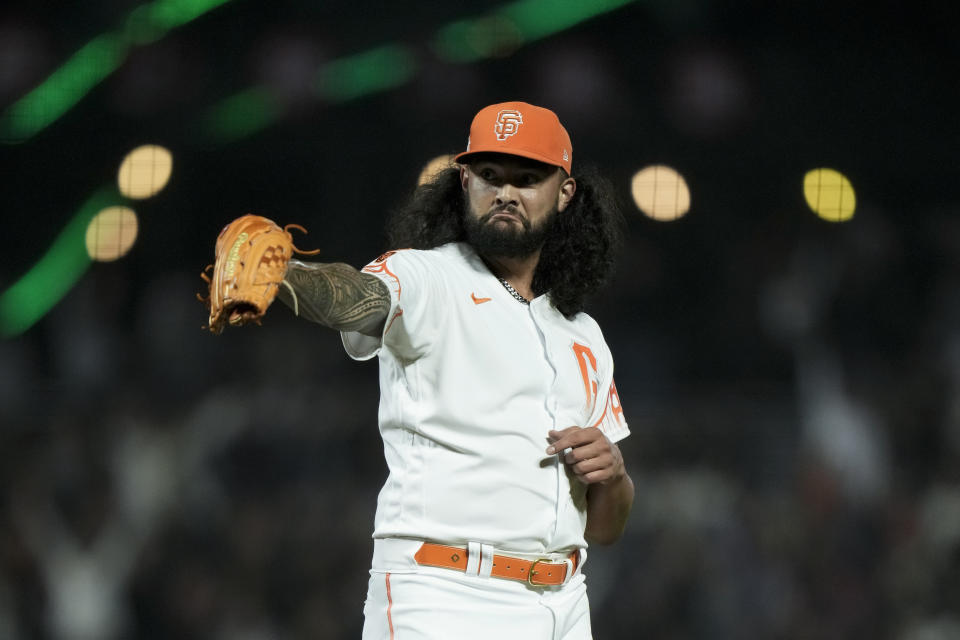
487, 174
530, 179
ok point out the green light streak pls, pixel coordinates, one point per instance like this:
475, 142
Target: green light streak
242, 114
89, 66
33, 295
472, 40
392, 65
368, 72
169, 14
341, 80
63, 89
538, 19
512, 25
252, 110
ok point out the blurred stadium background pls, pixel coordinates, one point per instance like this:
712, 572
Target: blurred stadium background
785, 317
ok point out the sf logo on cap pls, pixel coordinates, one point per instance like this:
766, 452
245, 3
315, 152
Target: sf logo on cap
508, 123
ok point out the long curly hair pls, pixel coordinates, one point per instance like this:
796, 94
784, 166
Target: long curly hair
577, 257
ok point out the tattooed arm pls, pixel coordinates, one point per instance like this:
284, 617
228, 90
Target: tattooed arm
337, 296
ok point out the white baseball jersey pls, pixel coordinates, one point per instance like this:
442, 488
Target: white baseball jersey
471, 381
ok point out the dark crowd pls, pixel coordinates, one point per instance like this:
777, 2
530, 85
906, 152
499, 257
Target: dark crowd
792, 385
792, 396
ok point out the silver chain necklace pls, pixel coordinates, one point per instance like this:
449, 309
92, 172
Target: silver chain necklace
513, 292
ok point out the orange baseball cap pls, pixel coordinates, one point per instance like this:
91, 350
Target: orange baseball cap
520, 129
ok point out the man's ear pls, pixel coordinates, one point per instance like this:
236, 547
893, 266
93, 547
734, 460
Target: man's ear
567, 188
464, 170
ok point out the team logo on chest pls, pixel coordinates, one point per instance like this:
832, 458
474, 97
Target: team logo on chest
508, 123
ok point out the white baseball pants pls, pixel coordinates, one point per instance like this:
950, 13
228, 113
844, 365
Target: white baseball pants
429, 603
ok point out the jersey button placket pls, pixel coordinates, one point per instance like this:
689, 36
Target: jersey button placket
540, 321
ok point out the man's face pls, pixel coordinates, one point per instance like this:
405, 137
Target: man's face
511, 203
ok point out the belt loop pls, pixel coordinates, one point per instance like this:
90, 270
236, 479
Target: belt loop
569, 572
473, 558
486, 560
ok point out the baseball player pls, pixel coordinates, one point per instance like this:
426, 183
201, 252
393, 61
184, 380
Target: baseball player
498, 412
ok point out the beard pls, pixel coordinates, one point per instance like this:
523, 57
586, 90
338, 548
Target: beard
506, 241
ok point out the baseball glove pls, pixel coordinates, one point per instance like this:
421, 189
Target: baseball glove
251, 259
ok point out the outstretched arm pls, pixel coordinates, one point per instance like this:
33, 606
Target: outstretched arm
336, 295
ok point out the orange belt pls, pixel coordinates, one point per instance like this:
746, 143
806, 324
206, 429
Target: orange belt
534, 572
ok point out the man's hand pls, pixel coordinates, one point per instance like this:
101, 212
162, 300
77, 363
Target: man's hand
589, 454
597, 463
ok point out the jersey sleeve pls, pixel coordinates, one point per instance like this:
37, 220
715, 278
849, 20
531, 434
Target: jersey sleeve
612, 422
608, 413
415, 285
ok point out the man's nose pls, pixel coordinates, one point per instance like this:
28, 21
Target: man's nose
507, 194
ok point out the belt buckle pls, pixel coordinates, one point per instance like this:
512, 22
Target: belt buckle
566, 576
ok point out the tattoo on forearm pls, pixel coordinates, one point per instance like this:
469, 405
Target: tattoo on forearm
337, 296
